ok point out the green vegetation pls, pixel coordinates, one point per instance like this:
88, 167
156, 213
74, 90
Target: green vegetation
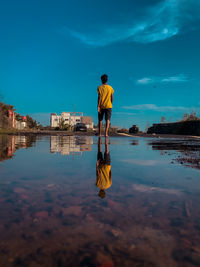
31, 123
190, 117
9, 131
64, 127
6, 123
4, 120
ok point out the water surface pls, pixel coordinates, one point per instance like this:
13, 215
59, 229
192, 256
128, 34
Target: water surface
80, 201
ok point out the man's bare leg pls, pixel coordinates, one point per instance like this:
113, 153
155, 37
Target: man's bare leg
106, 146
107, 127
100, 126
99, 144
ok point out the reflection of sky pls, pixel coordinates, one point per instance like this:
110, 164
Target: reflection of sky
50, 201
130, 164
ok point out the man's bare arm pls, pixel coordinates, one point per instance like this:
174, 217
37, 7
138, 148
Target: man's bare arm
99, 102
111, 98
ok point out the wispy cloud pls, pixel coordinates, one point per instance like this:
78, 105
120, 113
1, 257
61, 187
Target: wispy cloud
145, 80
142, 162
159, 22
154, 107
180, 78
124, 113
149, 189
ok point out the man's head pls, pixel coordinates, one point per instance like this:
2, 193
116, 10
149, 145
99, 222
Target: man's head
102, 193
104, 78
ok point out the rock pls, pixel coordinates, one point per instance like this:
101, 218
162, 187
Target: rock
23, 196
115, 232
42, 214
73, 210
104, 260
19, 190
50, 185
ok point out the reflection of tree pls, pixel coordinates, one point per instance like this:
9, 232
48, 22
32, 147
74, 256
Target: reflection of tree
9, 144
189, 150
4, 147
134, 142
30, 140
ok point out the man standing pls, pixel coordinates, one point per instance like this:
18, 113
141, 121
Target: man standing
105, 99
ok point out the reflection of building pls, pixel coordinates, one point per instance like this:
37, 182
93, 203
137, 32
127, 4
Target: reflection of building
9, 144
71, 118
70, 144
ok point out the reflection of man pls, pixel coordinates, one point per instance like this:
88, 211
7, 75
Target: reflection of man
103, 170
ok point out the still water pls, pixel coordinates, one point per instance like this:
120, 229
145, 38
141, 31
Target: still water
84, 201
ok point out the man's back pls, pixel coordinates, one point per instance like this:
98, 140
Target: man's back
104, 180
105, 91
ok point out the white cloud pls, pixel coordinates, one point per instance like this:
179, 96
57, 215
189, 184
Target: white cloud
154, 107
145, 81
180, 78
160, 22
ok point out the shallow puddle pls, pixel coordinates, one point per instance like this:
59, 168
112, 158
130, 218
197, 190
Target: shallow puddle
81, 201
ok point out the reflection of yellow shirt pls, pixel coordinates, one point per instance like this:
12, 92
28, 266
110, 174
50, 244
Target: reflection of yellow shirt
103, 176
105, 91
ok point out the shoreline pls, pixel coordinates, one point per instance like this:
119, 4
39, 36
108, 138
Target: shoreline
65, 133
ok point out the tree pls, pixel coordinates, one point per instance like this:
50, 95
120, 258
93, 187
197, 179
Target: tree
63, 125
162, 119
31, 123
190, 117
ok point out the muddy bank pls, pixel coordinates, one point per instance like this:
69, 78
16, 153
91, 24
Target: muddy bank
181, 127
94, 133
189, 150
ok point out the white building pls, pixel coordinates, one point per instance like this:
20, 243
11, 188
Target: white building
87, 121
71, 118
20, 125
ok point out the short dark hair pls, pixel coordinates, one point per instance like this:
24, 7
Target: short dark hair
102, 193
104, 78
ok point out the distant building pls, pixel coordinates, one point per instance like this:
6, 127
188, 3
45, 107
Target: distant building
17, 124
87, 121
11, 116
20, 125
70, 118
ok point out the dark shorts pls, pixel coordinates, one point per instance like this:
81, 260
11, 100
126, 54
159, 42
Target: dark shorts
105, 160
107, 112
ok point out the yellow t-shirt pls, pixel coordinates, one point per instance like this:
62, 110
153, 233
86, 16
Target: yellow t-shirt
105, 91
103, 176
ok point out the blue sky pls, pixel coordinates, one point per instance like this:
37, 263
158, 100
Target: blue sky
52, 54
